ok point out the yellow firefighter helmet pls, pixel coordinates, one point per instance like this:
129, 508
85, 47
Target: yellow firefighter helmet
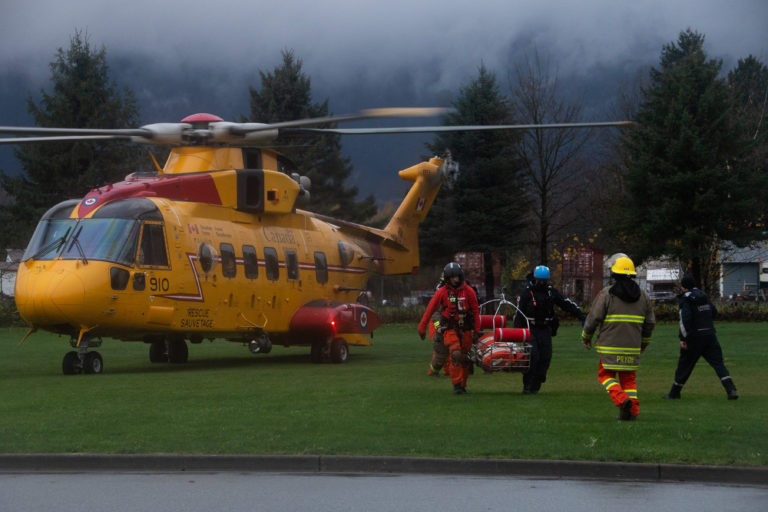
624, 266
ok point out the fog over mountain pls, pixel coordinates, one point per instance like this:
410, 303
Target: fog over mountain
181, 58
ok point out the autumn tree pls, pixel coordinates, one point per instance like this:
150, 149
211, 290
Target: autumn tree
553, 166
286, 94
81, 96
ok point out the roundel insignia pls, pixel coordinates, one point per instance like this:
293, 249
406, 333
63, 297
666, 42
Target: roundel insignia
90, 201
363, 320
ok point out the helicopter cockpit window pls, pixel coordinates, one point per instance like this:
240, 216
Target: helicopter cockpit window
152, 246
321, 267
49, 238
250, 262
101, 239
53, 229
271, 263
139, 208
228, 262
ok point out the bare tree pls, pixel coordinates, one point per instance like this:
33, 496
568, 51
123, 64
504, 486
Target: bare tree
552, 162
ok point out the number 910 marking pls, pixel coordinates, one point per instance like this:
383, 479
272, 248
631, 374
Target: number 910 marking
159, 285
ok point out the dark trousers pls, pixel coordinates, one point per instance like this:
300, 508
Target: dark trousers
541, 356
700, 346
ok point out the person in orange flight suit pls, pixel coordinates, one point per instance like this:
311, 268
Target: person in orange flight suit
459, 322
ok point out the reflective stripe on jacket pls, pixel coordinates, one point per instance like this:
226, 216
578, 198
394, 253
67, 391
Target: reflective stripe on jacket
624, 327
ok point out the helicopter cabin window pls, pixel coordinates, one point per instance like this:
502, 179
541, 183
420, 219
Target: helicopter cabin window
346, 253
206, 255
152, 246
228, 262
292, 265
251, 262
271, 263
321, 268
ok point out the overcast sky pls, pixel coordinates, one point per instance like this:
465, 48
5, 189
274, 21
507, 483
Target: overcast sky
358, 53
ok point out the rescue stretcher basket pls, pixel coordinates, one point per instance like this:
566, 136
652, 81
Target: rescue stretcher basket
502, 349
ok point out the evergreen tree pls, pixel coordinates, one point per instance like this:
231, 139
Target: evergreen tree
480, 209
82, 97
286, 95
748, 83
688, 182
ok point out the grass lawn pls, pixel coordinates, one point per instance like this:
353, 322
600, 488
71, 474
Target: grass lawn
226, 400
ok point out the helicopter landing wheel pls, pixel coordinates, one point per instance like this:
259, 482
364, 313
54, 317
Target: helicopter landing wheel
339, 351
158, 353
71, 363
316, 353
90, 363
93, 363
178, 352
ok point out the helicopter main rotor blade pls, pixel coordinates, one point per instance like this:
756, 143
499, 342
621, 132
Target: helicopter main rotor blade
71, 138
217, 132
237, 134
34, 130
158, 133
370, 113
462, 128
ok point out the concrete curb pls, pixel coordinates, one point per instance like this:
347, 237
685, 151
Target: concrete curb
334, 464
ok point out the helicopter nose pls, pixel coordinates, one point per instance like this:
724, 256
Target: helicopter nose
52, 298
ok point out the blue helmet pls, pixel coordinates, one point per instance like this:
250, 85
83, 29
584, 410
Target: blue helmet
541, 272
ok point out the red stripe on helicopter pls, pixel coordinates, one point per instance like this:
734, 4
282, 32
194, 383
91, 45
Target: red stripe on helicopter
198, 297
199, 188
188, 296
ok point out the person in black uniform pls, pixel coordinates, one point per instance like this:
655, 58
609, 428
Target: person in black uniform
537, 303
697, 339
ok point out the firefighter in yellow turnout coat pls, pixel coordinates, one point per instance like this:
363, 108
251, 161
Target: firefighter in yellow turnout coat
625, 316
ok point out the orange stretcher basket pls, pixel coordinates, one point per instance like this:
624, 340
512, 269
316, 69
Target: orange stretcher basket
503, 349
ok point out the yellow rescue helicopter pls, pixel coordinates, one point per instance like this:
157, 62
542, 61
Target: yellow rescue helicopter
215, 245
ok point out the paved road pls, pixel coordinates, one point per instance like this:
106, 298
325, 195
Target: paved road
232, 492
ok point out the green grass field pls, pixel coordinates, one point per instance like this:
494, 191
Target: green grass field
226, 400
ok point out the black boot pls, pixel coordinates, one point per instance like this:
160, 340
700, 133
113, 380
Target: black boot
674, 393
625, 410
458, 389
730, 388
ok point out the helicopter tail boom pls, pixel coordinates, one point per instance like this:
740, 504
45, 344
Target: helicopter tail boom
403, 228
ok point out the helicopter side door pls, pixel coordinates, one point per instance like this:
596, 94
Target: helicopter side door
153, 271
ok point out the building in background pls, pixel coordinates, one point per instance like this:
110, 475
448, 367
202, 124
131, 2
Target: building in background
474, 271
582, 273
8, 270
744, 272
662, 280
